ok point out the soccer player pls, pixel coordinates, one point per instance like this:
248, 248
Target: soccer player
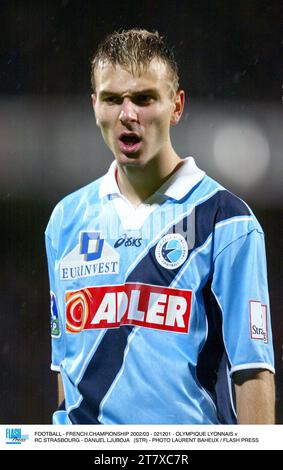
159, 298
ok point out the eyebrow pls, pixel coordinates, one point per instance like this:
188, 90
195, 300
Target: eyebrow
147, 91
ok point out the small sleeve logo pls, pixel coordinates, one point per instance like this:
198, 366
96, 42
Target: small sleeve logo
258, 321
54, 319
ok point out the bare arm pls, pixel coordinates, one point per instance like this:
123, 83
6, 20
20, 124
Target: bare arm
255, 396
61, 395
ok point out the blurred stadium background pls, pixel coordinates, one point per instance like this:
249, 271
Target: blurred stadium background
229, 56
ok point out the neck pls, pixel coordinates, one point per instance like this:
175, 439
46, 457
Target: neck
138, 183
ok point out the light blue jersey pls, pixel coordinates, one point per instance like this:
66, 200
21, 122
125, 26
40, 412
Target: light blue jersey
154, 308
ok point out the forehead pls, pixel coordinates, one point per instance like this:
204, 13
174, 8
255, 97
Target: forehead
119, 80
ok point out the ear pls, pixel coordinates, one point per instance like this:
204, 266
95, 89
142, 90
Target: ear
179, 102
93, 98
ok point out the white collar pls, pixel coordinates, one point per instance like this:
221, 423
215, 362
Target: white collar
176, 187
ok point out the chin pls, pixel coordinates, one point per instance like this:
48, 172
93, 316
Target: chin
130, 160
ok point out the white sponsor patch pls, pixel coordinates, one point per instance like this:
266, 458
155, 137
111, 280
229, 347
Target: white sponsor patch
258, 321
91, 257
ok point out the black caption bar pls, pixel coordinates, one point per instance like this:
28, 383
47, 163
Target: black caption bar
135, 458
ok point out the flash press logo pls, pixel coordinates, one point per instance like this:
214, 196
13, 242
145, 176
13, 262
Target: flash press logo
15, 436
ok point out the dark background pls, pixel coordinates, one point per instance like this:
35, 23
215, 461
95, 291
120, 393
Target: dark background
229, 57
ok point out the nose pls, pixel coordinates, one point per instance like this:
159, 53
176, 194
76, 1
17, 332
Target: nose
128, 112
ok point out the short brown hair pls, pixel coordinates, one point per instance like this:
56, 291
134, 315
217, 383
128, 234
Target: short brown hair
133, 50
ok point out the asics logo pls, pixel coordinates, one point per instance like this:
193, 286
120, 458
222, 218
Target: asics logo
128, 241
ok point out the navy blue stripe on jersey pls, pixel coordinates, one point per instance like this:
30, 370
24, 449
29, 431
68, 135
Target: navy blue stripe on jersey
225, 411
100, 374
108, 358
223, 205
212, 361
62, 406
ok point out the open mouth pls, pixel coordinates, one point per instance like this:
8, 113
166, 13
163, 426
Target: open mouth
129, 142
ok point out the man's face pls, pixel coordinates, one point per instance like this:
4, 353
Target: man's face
134, 112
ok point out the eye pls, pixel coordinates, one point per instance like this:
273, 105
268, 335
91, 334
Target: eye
112, 99
143, 100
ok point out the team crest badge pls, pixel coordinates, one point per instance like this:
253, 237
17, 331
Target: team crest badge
171, 251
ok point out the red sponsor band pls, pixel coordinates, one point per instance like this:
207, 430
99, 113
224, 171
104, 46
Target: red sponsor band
145, 305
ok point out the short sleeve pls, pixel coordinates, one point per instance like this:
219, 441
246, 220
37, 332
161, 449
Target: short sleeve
56, 323
241, 290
